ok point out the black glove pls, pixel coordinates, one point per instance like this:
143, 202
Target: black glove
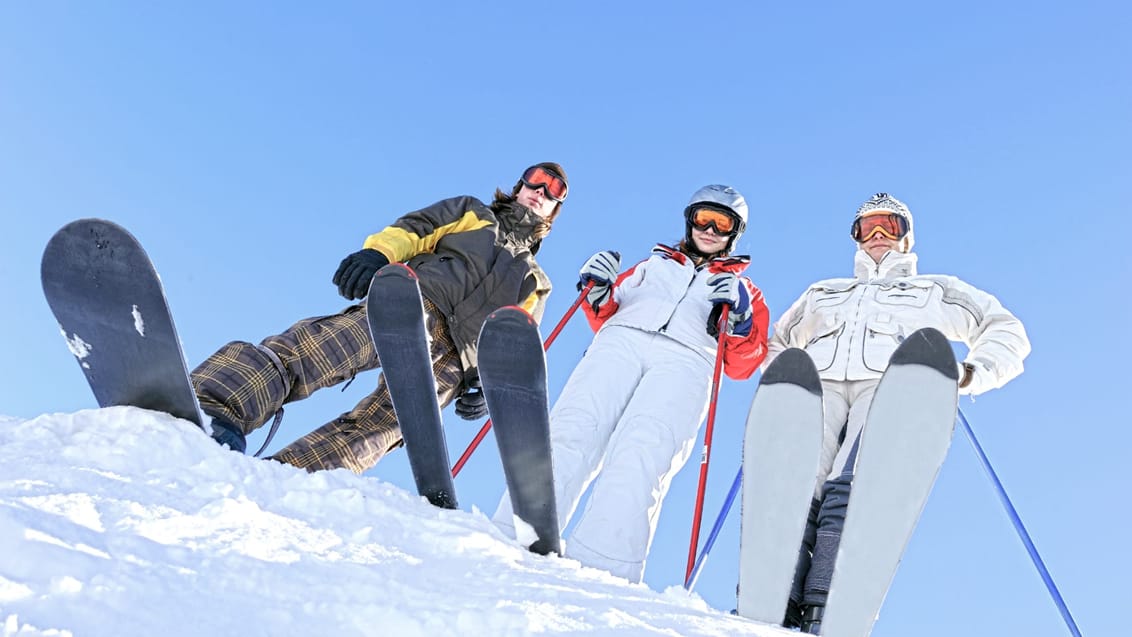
471, 404
356, 271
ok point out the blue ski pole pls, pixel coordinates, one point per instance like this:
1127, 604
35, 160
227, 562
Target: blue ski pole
1021, 529
691, 581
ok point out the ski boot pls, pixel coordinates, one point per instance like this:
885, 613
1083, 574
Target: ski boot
226, 433
793, 618
811, 619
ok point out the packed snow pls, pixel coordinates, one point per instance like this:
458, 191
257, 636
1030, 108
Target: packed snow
124, 522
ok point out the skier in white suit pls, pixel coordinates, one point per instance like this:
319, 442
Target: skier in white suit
850, 327
628, 417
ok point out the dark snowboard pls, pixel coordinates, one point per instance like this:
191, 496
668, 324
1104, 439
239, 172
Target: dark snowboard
397, 325
512, 366
111, 308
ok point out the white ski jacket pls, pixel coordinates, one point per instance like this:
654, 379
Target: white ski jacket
850, 327
668, 294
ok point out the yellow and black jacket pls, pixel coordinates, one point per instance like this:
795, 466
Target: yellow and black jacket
470, 260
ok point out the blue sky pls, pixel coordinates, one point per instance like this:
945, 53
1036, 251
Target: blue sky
251, 147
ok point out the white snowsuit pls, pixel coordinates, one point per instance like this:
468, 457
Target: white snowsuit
630, 413
850, 328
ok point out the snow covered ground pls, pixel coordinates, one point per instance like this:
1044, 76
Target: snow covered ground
124, 522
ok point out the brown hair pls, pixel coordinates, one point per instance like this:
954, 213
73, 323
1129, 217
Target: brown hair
544, 227
687, 247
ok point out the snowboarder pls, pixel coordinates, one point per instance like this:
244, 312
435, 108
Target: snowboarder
628, 417
850, 327
470, 258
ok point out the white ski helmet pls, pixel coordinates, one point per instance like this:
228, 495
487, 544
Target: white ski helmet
887, 203
721, 196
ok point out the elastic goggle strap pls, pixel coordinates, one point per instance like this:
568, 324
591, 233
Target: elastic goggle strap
552, 184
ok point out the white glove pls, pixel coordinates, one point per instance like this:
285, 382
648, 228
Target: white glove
725, 288
602, 268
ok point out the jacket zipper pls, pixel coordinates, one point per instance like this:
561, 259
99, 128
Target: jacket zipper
695, 271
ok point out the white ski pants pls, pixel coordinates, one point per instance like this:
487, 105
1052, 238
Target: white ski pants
845, 405
627, 421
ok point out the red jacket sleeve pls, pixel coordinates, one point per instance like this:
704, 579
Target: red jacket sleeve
742, 355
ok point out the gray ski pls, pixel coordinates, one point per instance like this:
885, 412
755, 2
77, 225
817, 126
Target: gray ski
781, 453
903, 445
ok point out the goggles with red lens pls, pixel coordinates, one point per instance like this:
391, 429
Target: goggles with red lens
721, 220
551, 183
893, 226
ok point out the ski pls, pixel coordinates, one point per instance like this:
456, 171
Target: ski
903, 445
397, 324
781, 453
111, 308
512, 366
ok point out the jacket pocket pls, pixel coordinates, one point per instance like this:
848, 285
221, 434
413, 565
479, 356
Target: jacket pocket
881, 340
829, 296
904, 293
823, 347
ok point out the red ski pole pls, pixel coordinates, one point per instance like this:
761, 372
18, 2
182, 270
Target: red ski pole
545, 346
706, 457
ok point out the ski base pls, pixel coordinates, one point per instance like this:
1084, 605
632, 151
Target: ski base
781, 454
512, 366
904, 443
397, 324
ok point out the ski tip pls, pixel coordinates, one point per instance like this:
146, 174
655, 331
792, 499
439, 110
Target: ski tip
793, 366
508, 329
396, 274
511, 313
929, 347
399, 270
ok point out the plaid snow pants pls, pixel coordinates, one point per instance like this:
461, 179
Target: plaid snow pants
247, 384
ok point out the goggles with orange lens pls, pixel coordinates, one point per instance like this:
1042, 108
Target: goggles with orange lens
552, 184
721, 220
893, 226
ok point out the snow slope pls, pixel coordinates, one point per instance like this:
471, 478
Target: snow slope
126, 522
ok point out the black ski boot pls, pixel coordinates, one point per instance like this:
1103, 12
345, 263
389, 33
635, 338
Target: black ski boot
811, 619
793, 618
226, 433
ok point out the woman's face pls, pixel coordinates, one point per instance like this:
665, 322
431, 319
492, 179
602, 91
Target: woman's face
707, 241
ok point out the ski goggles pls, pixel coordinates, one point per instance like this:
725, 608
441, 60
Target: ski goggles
891, 225
553, 185
722, 221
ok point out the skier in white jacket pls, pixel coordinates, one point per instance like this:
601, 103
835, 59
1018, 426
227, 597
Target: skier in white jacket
629, 415
850, 327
